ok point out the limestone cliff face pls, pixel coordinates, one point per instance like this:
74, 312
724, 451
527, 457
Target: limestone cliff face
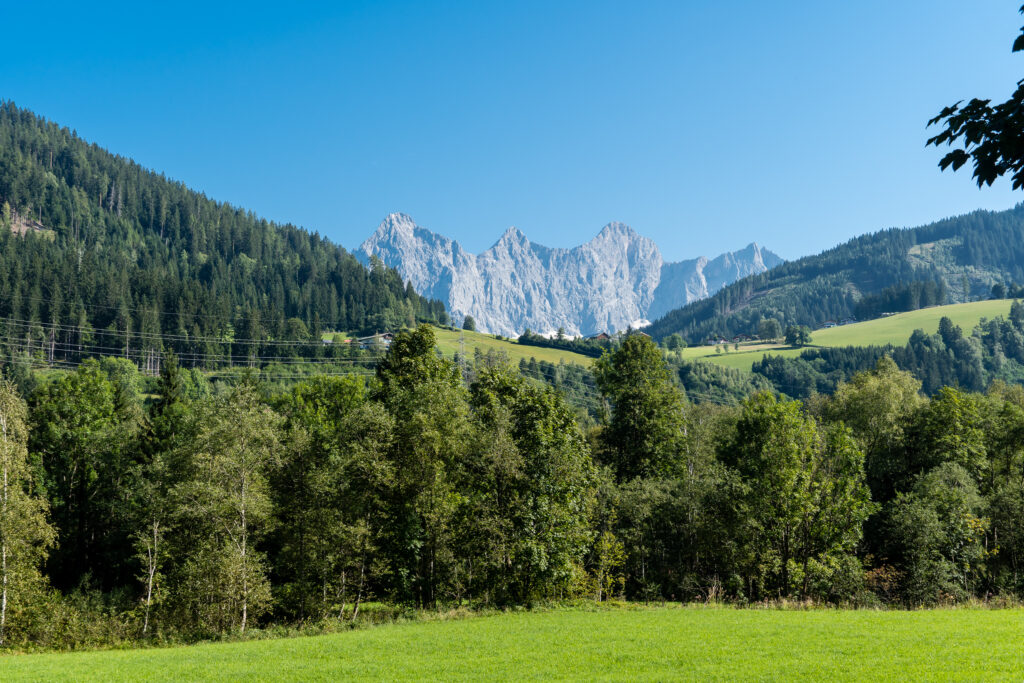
615, 280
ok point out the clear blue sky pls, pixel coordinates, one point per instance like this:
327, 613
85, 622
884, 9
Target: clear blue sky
704, 125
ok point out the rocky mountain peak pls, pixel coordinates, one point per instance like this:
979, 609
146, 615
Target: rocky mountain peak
396, 223
617, 230
606, 284
512, 235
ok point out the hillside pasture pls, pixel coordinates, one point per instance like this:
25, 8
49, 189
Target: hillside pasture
448, 343
894, 329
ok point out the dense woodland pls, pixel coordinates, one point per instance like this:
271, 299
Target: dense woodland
219, 508
888, 271
98, 254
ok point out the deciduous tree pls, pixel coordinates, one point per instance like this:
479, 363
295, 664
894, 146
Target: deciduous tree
990, 136
25, 534
801, 501
645, 432
227, 505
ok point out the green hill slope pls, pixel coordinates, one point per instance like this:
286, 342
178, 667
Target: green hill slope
449, 342
956, 259
895, 330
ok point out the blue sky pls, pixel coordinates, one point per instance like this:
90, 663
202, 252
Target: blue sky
704, 125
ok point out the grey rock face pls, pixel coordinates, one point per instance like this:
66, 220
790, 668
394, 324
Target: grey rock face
615, 280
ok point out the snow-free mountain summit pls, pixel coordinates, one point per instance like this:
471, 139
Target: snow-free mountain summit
615, 280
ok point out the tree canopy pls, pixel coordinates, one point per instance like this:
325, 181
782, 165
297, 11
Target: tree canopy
990, 136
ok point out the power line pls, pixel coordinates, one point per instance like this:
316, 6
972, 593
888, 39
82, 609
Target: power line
68, 329
72, 303
72, 347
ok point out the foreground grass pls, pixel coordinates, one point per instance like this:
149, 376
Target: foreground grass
657, 643
895, 329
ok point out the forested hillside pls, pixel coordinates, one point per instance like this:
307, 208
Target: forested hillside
99, 254
888, 271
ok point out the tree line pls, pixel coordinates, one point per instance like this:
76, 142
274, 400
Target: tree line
217, 507
901, 297
585, 346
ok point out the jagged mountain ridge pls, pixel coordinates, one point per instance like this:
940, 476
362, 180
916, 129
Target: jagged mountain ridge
607, 284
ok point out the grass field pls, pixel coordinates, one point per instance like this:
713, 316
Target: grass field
448, 342
895, 329
639, 644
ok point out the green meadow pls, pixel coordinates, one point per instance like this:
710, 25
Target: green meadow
895, 329
692, 643
448, 342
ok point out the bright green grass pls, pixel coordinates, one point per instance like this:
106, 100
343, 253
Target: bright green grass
448, 342
895, 329
740, 359
641, 644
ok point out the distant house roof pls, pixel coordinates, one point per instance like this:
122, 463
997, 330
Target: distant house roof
386, 336
600, 336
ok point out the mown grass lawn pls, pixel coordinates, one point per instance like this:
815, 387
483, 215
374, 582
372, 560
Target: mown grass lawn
629, 644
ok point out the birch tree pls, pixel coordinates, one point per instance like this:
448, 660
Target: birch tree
227, 505
155, 508
25, 534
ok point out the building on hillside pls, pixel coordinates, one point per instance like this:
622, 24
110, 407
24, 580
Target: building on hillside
829, 324
600, 336
376, 341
